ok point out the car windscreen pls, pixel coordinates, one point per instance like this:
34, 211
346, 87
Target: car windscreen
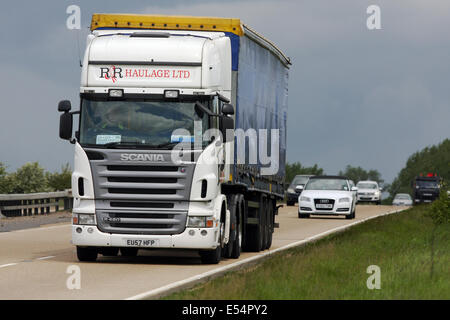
327, 184
299, 180
364, 185
403, 197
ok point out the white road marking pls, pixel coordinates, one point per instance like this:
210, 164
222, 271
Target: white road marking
7, 265
45, 258
203, 276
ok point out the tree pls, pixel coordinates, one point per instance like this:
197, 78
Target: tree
296, 168
434, 159
29, 178
59, 181
359, 174
5, 180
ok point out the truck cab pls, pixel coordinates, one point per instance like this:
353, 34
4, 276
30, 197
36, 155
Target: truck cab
426, 188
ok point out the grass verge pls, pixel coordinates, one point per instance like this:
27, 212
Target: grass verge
336, 267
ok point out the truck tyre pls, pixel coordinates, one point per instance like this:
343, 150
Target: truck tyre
129, 252
255, 233
237, 245
270, 220
303, 216
233, 207
211, 256
290, 203
87, 254
266, 225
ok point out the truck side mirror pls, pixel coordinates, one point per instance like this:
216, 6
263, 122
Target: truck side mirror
64, 106
65, 126
225, 124
228, 109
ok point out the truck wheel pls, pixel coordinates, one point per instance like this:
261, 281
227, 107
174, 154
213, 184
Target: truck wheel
303, 216
87, 254
109, 251
211, 256
233, 207
129, 252
289, 203
237, 245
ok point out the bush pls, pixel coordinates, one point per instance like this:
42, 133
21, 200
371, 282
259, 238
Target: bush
59, 181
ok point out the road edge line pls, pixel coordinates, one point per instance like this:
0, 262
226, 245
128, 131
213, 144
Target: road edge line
189, 282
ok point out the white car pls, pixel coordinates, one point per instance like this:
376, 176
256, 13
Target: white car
402, 199
327, 195
369, 191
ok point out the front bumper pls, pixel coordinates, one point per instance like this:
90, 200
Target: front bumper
344, 208
191, 238
364, 198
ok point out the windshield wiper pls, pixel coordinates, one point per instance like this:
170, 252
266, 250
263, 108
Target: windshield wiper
134, 144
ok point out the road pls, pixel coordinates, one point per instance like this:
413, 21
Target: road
34, 262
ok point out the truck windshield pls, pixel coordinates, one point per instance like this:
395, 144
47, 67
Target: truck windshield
143, 123
427, 184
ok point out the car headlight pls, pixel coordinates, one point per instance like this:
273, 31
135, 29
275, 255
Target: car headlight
344, 200
306, 199
87, 219
200, 222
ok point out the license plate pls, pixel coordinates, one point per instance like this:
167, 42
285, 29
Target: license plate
141, 242
427, 194
324, 206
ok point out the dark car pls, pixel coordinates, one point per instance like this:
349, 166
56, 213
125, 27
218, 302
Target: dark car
292, 194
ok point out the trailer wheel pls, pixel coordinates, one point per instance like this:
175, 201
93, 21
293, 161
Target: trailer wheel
87, 254
255, 233
270, 224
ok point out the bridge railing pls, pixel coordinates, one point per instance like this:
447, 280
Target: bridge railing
28, 204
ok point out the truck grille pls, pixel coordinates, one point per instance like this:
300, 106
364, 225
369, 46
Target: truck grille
141, 197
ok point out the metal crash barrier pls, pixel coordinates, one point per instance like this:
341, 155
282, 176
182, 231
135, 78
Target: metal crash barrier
13, 205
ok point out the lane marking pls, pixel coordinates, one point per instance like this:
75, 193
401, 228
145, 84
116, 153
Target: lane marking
7, 265
164, 290
45, 258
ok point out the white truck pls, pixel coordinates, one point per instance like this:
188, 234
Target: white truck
154, 166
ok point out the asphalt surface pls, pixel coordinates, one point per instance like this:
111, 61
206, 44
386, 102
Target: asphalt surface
34, 262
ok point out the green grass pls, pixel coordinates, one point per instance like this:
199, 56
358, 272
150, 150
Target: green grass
335, 267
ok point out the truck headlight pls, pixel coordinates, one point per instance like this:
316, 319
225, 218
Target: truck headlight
290, 190
200, 222
305, 199
87, 219
344, 200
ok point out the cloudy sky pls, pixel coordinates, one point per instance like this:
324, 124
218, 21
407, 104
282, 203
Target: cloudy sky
363, 97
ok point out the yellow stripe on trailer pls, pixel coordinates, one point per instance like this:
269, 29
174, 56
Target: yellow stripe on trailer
140, 21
